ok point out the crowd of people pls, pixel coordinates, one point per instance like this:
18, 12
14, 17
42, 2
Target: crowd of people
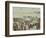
20, 24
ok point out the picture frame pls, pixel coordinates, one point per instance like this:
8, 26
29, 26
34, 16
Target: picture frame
30, 14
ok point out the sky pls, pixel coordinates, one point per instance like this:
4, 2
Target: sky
25, 11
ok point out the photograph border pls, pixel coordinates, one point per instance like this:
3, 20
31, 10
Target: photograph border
7, 17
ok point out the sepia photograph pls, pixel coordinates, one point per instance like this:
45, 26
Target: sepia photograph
26, 18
